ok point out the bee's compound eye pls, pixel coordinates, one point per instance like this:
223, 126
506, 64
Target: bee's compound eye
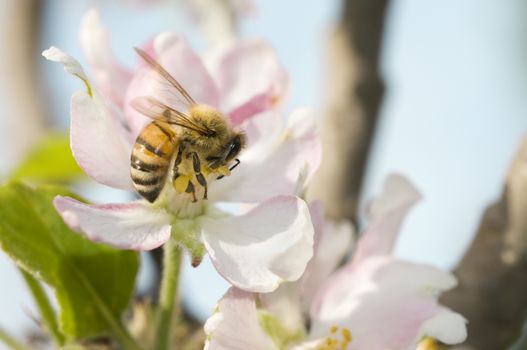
234, 148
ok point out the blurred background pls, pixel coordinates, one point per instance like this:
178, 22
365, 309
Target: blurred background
451, 119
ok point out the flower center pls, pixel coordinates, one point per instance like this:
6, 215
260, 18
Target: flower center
182, 205
281, 335
339, 339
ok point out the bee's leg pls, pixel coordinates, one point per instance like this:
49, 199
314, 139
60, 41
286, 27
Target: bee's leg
192, 189
179, 183
197, 170
179, 158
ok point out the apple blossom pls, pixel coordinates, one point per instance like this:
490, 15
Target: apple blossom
256, 250
374, 302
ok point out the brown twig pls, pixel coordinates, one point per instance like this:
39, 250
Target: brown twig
355, 90
18, 34
492, 292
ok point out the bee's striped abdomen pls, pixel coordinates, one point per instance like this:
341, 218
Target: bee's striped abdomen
151, 157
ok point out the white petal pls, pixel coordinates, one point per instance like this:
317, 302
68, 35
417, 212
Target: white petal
274, 169
263, 132
71, 65
315, 344
446, 326
398, 190
383, 302
235, 325
112, 79
285, 304
127, 226
333, 241
257, 251
386, 216
99, 143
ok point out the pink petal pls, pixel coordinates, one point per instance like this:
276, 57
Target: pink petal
273, 169
386, 216
263, 132
99, 142
178, 58
111, 78
383, 302
257, 251
249, 76
235, 324
126, 226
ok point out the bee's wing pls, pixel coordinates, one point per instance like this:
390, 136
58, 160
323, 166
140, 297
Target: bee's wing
181, 94
157, 110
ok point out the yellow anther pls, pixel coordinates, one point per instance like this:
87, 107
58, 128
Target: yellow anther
428, 344
339, 341
346, 334
331, 342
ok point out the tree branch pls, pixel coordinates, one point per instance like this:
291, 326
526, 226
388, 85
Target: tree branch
18, 33
355, 90
492, 292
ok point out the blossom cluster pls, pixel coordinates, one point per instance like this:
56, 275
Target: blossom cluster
278, 252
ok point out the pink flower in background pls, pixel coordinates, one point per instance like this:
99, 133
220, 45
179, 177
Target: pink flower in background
373, 302
256, 250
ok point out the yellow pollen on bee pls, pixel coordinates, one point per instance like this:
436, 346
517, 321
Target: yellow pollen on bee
181, 183
223, 170
206, 171
337, 341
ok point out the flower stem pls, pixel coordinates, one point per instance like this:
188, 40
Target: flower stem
44, 306
167, 295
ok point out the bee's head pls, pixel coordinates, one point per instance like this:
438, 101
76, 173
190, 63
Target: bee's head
233, 148
230, 150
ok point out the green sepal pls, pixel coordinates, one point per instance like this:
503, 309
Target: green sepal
186, 232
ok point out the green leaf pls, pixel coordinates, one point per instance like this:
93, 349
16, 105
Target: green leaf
93, 282
50, 160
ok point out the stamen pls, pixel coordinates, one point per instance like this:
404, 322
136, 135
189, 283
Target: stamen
337, 341
428, 344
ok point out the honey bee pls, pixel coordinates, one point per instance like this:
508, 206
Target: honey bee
181, 147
